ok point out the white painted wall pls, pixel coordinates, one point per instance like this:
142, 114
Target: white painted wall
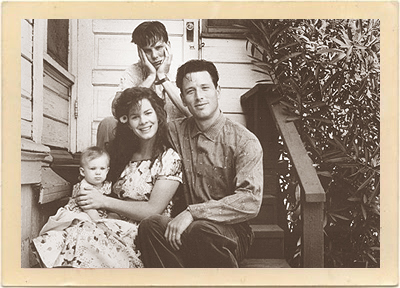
235, 71
26, 77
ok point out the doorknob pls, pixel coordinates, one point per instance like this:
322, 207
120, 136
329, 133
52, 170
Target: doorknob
190, 31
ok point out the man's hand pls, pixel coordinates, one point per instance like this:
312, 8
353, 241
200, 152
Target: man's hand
166, 64
176, 227
90, 198
151, 70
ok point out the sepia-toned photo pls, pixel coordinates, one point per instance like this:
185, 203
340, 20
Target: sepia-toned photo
231, 142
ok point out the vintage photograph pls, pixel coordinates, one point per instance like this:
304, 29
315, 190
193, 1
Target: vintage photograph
200, 143
240, 141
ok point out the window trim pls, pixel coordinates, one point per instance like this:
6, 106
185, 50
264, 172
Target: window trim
59, 69
69, 43
225, 32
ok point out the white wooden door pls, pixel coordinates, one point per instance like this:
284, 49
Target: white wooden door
104, 52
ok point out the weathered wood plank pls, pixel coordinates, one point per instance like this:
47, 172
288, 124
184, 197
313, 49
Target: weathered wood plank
237, 117
56, 86
313, 234
230, 100
102, 99
238, 75
30, 172
300, 159
84, 82
26, 128
26, 109
37, 101
26, 39
55, 106
26, 77
264, 263
48, 196
26, 203
55, 133
215, 50
53, 187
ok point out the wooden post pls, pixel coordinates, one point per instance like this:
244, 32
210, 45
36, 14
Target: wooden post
313, 234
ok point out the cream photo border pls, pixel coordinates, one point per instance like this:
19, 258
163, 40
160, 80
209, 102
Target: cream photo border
14, 275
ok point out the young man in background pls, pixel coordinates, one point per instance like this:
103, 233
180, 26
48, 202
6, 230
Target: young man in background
150, 71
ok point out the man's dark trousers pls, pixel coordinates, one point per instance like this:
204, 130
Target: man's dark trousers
205, 244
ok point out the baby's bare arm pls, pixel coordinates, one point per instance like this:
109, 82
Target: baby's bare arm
93, 214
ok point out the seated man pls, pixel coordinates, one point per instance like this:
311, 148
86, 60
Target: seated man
151, 71
223, 182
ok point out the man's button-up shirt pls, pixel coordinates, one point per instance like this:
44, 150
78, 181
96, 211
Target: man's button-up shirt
222, 167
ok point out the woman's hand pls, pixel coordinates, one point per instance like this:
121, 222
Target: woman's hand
150, 69
163, 70
90, 198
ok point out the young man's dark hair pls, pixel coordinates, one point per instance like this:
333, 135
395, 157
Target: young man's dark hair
151, 39
196, 66
148, 33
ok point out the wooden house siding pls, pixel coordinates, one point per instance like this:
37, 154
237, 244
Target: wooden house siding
26, 77
44, 121
235, 71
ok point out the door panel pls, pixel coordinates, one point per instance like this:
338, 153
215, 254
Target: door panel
109, 46
102, 100
106, 52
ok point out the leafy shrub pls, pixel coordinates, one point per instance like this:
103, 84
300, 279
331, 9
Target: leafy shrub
327, 73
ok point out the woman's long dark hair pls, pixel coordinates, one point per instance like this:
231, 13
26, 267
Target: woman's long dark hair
126, 142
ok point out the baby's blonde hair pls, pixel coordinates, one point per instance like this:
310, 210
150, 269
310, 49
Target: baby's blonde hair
91, 153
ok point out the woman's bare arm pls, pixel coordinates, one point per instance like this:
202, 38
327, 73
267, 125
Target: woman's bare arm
161, 195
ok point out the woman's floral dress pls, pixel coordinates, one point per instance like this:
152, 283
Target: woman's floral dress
71, 239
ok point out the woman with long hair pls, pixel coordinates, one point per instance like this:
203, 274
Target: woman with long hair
145, 173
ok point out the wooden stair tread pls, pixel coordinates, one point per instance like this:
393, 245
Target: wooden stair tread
267, 230
264, 263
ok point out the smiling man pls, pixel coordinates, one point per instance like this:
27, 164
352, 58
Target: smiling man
223, 182
150, 71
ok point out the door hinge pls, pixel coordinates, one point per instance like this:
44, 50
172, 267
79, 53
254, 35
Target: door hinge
76, 109
201, 45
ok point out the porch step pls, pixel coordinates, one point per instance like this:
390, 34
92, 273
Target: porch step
66, 165
264, 263
268, 242
268, 211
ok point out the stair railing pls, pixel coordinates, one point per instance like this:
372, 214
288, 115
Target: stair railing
312, 196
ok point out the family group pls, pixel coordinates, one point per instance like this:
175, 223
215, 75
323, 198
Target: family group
172, 182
